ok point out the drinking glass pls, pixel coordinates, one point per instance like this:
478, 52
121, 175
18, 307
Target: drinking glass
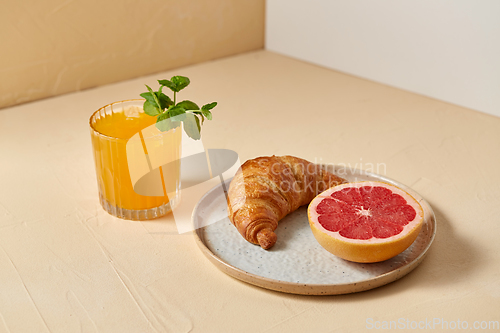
137, 166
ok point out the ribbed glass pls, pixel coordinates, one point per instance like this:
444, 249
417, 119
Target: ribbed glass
134, 166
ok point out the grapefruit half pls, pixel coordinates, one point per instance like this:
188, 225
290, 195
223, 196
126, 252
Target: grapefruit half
365, 221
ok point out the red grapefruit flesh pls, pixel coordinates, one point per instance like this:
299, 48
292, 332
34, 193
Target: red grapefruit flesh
365, 221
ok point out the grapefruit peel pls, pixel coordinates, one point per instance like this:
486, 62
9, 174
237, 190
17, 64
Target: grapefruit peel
371, 249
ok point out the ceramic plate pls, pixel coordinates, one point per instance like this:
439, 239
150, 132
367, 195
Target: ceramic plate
297, 263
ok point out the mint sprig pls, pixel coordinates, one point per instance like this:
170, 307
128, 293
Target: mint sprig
170, 114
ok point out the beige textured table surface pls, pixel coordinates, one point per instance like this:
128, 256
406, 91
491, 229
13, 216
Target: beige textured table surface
67, 266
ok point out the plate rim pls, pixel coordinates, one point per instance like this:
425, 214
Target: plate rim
312, 288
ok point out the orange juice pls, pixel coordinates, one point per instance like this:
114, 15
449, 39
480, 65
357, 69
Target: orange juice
129, 149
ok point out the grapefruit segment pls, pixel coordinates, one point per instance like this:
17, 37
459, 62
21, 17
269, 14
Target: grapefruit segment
365, 221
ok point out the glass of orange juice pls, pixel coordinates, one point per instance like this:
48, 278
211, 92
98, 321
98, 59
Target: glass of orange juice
137, 166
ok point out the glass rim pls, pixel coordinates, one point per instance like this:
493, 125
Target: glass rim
109, 105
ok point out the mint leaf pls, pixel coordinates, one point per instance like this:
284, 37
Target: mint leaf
207, 114
168, 84
155, 98
149, 97
192, 126
188, 105
198, 112
178, 112
164, 100
205, 109
164, 123
180, 82
150, 109
209, 106
176, 83
169, 114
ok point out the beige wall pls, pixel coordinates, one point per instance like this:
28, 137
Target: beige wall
53, 47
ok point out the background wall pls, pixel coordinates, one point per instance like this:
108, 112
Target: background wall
52, 47
446, 49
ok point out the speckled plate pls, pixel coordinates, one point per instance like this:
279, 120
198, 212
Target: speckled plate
297, 264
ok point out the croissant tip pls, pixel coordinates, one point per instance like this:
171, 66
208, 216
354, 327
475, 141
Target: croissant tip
266, 238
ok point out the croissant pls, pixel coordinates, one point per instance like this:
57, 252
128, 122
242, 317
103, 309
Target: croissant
266, 189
